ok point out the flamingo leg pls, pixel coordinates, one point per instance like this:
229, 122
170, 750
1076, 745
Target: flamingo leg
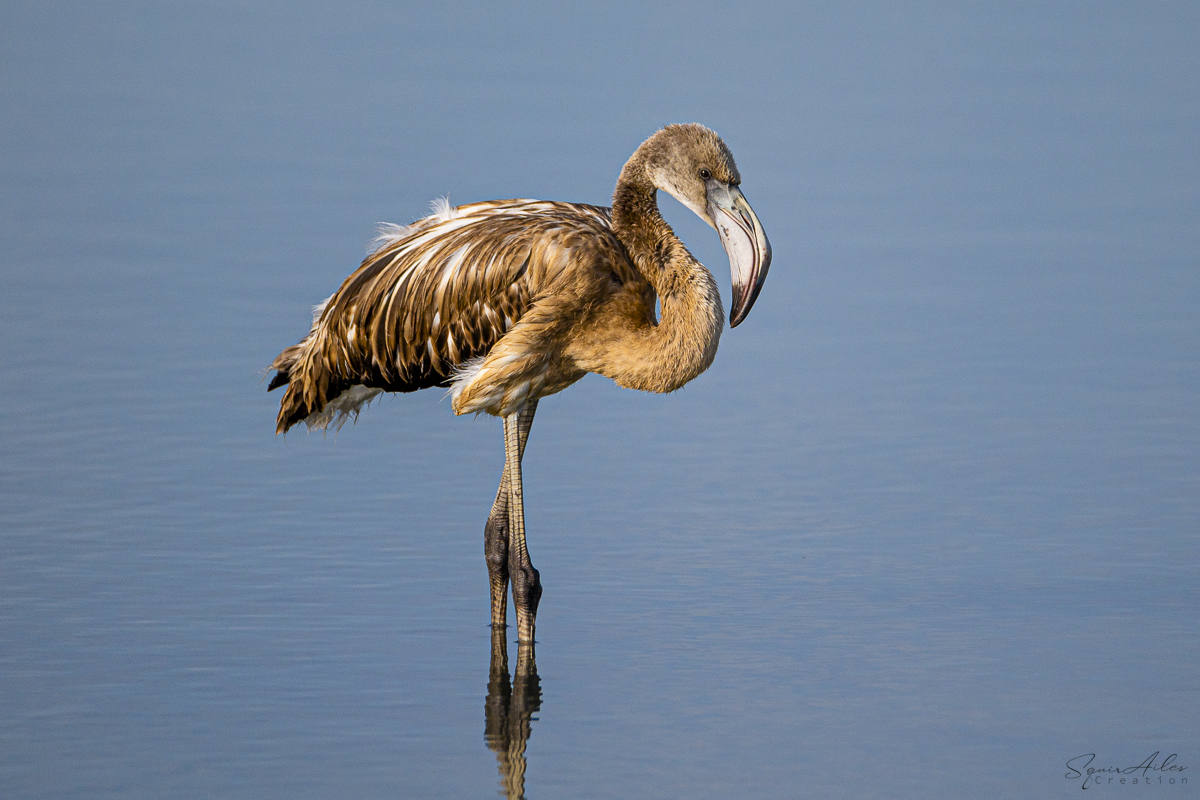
495, 550
497, 532
526, 585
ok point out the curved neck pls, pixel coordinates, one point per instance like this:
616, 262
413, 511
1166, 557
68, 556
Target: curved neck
662, 357
641, 228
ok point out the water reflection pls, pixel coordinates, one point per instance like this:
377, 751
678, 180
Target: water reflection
509, 711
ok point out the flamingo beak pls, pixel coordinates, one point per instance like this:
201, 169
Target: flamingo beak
745, 243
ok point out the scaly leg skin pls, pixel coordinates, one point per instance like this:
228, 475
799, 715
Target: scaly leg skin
495, 550
526, 584
496, 531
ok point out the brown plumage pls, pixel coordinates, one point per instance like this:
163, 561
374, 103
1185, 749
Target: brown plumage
508, 301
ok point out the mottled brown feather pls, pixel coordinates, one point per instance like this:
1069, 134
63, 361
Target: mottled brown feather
420, 307
512, 300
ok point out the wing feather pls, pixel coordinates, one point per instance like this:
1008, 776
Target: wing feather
437, 295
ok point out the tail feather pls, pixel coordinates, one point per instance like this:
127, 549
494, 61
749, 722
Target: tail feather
314, 395
307, 386
281, 378
292, 409
294, 406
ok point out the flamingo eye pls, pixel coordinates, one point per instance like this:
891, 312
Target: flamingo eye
705, 174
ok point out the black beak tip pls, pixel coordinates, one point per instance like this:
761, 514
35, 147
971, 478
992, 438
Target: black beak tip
742, 303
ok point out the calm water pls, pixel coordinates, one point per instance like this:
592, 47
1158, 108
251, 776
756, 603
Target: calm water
928, 527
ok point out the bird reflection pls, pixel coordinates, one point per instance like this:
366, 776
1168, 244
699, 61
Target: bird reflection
509, 711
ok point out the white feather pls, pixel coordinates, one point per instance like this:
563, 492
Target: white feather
339, 409
442, 209
452, 265
463, 375
388, 234
319, 309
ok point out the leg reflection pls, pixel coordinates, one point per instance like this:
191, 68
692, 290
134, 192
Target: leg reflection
509, 710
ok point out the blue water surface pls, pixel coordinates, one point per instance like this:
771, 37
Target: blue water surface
927, 528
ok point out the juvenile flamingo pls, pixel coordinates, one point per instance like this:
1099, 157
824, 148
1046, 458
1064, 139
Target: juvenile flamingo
508, 301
